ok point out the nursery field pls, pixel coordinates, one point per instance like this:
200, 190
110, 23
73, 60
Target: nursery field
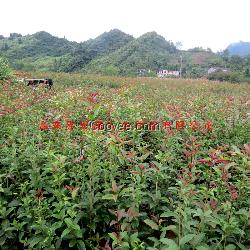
124, 163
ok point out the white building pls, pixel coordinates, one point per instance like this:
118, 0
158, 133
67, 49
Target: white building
216, 69
143, 72
165, 73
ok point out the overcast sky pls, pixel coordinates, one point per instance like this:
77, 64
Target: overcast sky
206, 23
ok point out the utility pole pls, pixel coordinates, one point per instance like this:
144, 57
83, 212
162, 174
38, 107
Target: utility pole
181, 66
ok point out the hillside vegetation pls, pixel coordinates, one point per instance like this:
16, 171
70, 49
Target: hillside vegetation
117, 53
112, 52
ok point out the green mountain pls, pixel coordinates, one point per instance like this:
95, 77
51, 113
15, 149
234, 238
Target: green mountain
38, 44
42, 51
150, 51
113, 53
34, 51
104, 44
240, 48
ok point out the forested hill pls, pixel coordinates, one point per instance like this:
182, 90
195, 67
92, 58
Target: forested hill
150, 51
46, 52
36, 51
112, 53
85, 52
37, 45
106, 42
240, 49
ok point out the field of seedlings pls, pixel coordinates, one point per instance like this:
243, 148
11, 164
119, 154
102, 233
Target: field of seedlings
124, 163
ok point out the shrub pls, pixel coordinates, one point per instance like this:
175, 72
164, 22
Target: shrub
5, 71
225, 76
111, 71
235, 77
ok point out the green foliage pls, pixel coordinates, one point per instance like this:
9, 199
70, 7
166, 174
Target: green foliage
198, 49
111, 71
247, 72
5, 71
196, 71
14, 36
233, 77
4, 47
127, 189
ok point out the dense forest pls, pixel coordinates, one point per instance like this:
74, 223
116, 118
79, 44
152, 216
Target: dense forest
117, 53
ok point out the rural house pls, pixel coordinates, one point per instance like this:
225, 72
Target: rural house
165, 73
143, 72
216, 69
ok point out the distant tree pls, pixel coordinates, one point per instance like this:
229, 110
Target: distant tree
196, 71
197, 49
247, 72
184, 72
224, 53
19, 41
236, 62
178, 45
14, 36
5, 47
235, 77
172, 48
1, 37
236, 59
